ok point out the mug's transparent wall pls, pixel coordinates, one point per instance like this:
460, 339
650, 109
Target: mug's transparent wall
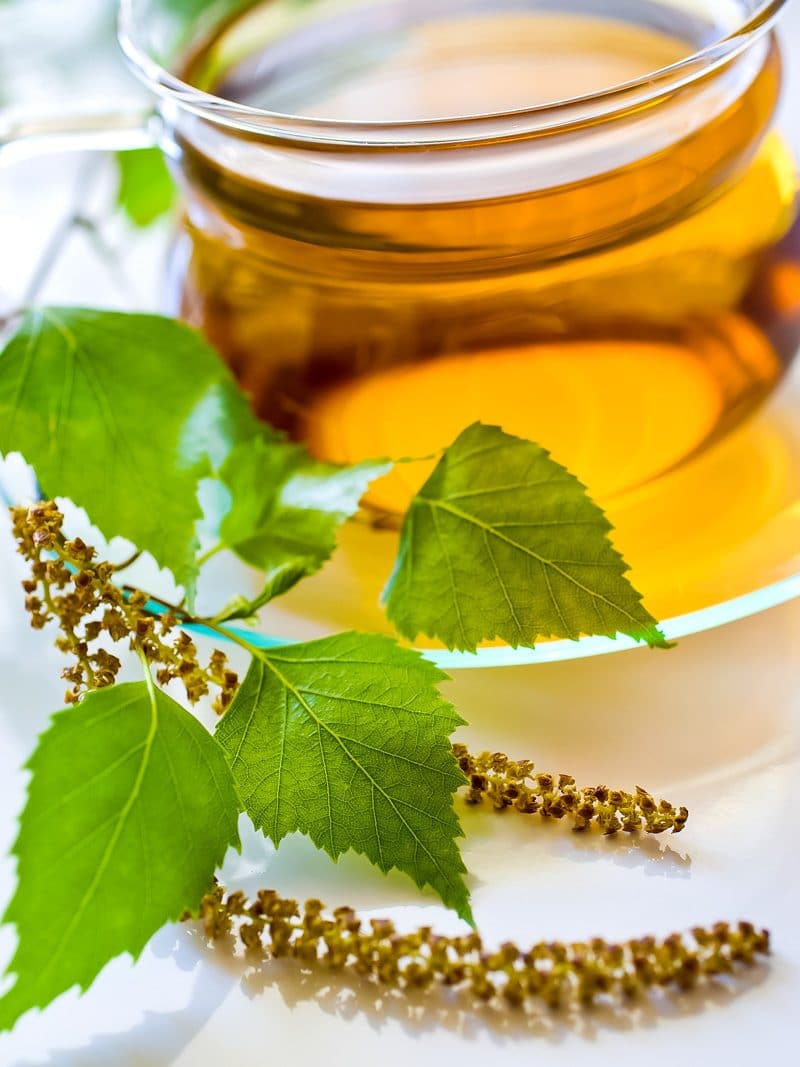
445, 219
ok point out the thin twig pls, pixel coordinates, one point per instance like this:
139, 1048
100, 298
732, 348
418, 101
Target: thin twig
59, 238
134, 556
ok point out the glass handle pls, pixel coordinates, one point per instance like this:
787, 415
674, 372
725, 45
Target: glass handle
24, 134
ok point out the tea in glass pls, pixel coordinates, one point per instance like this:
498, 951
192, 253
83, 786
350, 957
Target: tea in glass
618, 280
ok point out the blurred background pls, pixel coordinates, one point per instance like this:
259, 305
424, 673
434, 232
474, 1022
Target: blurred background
56, 56
58, 48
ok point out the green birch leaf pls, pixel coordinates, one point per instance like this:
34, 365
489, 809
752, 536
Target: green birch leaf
130, 810
146, 190
346, 739
503, 542
123, 414
287, 507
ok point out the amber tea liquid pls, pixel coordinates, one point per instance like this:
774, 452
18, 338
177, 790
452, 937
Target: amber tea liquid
624, 319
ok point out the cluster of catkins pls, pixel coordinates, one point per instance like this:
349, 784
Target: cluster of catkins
70, 586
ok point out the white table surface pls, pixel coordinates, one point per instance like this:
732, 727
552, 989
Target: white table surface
714, 724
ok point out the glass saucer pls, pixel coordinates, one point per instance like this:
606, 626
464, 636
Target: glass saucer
710, 542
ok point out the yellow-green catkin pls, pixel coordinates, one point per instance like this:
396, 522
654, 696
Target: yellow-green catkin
68, 585
556, 973
506, 783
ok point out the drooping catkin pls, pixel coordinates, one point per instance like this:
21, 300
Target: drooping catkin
558, 973
507, 783
71, 587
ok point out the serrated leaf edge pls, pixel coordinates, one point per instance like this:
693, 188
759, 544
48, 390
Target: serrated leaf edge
651, 635
436, 676
7, 917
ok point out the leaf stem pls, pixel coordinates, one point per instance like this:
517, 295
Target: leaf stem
148, 674
127, 562
231, 635
177, 610
206, 556
185, 618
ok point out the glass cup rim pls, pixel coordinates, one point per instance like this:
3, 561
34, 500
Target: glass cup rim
517, 124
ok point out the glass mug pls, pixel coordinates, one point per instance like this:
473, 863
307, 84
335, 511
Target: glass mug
571, 218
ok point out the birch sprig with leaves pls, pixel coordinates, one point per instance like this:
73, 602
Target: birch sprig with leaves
347, 739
